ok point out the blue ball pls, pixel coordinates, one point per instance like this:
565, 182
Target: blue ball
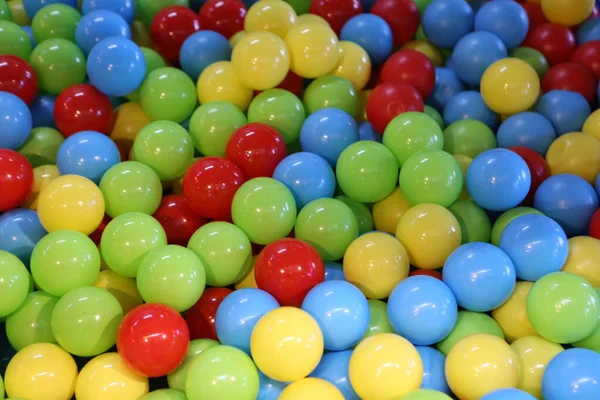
536, 244
269, 389
527, 129
474, 53
506, 19
573, 374
15, 121
508, 394
238, 313
498, 179
447, 85
566, 110
589, 31
372, 33
333, 368
342, 312
307, 175
88, 153
125, 8
481, 276
33, 6
99, 25
29, 32
569, 200
366, 132
116, 66
597, 185
334, 272
42, 111
20, 230
446, 21
422, 309
327, 132
469, 105
200, 50
434, 377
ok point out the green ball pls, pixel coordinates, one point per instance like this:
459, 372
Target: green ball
469, 323
328, 225
5, 15
437, 117
367, 171
475, 224
166, 147
591, 342
212, 124
130, 186
14, 283
85, 321
431, 176
506, 218
64, 260
14, 40
264, 209
147, 9
331, 91
425, 394
55, 21
422, 5
468, 137
563, 307
168, 94
532, 57
177, 378
300, 6
361, 212
127, 239
410, 133
378, 319
420, 35
31, 323
280, 109
58, 64
171, 275
225, 252
42, 146
165, 394
222, 372
153, 61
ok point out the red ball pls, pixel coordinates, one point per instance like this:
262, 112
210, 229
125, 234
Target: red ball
556, 42
16, 179
595, 225
588, 54
288, 269
427, 272
223, 16
178, 219
201, 317
534, 14
97, 234
257, 149
571, 76
402, 16
153, 339
292, 83
412, 67
335, 12
83, 108
209, 186
389, 100
17, 77
169, 29
538, 167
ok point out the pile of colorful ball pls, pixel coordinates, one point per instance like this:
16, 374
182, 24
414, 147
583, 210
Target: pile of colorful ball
299, 200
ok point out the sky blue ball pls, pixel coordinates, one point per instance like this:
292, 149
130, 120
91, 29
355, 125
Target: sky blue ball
422, 309
29, 32
481, 276
526, 129
99, 25
15, 121
238, 313
434, 376
474, 53
573, 374
88, 153
42, 111
20, 230
202, 49
33, 6
536, 244
597, 185
446, 21
508, 394
446, 86
125, 8
566, 110
469, 105
569, 200
269, 389
342, 312
588, 31
366, 132
116, 66
372, 33
334, 272
333, 368
506, 19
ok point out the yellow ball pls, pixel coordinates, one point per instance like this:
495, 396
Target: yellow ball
129, 120
592, 124
584, 259
249, 280
42, 176
71, 202
124, 289
41, 371
306, 18
273, 16
512, 315
429, 233
567, 12
261, 60
19, 16
575, 153
535, 353
385, 366
428, 49
463, 162
235, 39
510, 86
375, 263
363, 97
480, 364
353, 64
311, 389
388, 211
107, 377
220, 82
313, 49
286, 344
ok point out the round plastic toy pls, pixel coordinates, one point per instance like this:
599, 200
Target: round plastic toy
575, 153
587, 55
388, 211
531, 56
564, 14
468, 137
16, 179
98, 25
433, 370
378, 321
512, 315
213, 124
219, 82
372, 33
55, 21
582, 253
447, 85
331, 91
43, 175
336, 13
474, 53
224, 17
271, 16
361, 212
573, 77
31, 322
556, 42
42, 146
167, 94
178, 219
42, 110
201, 49
18, 78
446, 21
16, 120
474, 222
280, 109
14, 282
389, 100
124, 289
507, 20
201, 318
469, 323
177, 379
353, 64
470, 105
309, 388
82, 108
15, 40
411, 67
125, 8
425, 394
170, 27
402, 17
568, 367
508, 394
527, 129
566, 110
334, 369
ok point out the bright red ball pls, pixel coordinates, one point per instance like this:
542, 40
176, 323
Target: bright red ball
223, 16
288, 269
588, 54
335, 12
83, 108
153, 339
595, 225
412, 67
556, 42
17, 77
16, 179
97, 234
178, 219
389, 100
201, 317
402, 16
427, 272
571, 76
534, 14
292, 83
538, 167
169, 29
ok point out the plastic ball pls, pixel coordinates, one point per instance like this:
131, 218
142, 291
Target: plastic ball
333, 368
51, 59
331, 91
16, 120
569, 14
372, 33
567, 111
361, 212
556, 42
580, 261
575, 153
309, 388
42, 111
403, 17
42, 146
213, 124
313, 49
82, 108
411, 67
389, 100
224, 17
17, 78
469, 323
271, 16
353, 64
378, 321
14, 281
446, 86
177, 379
526, 129
30, 323
568, 367
201, 318
508, 394
20, 230
220, 82
469, 105
170, 27
474, 53
337, 12
55, 21
387, 212
592, 125
434, 378
468, 137
122, 288
165, 394
531, 56
573, 77
15, 40
587, 55
43, 175
125, 8
446, 21
425, 394
474, 222
280, 109
201, 49
270, 389
178, 219
588, 31
98, 25
168, 94
507, 20
512, 315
